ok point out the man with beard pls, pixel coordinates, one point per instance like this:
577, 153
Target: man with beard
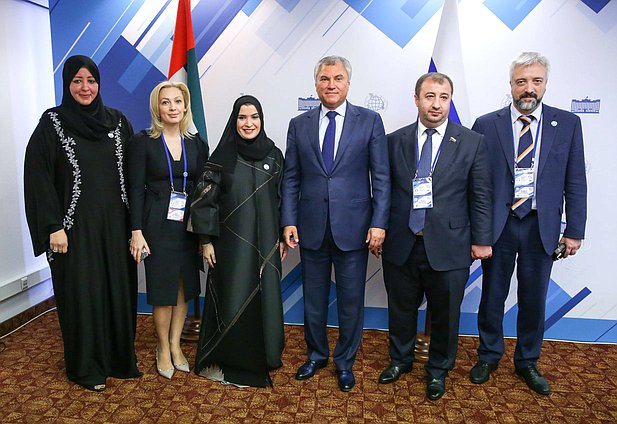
530, 187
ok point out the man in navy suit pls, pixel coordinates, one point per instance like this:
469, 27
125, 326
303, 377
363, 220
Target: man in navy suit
335, 198
440, 221
530, 188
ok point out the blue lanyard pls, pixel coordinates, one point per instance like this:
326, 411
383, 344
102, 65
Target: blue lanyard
535, 143
171, 176
418, 152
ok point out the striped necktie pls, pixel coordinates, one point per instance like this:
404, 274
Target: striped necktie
522, 207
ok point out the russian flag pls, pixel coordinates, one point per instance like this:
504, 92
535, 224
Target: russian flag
183, 64
447, 58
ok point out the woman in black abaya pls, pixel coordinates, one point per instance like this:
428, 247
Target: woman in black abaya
77, 212
236, 211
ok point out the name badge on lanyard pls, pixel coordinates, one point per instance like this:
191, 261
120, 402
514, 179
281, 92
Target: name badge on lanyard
423, 193
422, 187
523, 183
177, 199
177, 203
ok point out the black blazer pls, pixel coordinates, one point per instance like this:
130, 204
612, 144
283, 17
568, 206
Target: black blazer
148, 180
462, 191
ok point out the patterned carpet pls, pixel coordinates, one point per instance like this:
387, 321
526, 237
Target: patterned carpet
34, 389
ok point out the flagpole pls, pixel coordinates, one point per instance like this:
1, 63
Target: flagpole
183, 67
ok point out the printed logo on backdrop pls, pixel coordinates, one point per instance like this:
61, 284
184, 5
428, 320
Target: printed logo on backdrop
506, 100
308, 103
586, 106
375, 102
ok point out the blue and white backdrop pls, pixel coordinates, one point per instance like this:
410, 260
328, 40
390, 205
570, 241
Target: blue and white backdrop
268, 48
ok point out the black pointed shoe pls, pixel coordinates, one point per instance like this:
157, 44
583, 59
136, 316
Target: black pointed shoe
308, 369
481, 372
534, 379
393, 373
435, 388
346, 380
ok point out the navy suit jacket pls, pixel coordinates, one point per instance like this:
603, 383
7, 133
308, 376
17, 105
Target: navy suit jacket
561, 173
355, 193
461, 213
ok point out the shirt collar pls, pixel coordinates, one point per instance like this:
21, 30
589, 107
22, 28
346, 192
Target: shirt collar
515, 114
341, 110
441, 130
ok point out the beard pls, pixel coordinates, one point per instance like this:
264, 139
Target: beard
526, 104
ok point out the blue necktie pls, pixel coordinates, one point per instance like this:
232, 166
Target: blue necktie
416, 216
327, 149
522, 207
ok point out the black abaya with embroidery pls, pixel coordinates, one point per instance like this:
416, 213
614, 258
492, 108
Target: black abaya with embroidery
76, 183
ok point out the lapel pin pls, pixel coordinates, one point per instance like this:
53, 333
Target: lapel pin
554, 123
452, 140
266, 166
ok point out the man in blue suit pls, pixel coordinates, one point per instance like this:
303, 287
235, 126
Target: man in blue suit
440, 221
530, 188
335, 198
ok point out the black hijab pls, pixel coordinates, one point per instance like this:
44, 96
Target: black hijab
232, 144
93, 121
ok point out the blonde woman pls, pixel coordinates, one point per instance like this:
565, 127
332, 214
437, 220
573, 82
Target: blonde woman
164, 163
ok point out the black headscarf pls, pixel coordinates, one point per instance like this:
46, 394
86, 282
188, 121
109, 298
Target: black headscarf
232, 144
93, 121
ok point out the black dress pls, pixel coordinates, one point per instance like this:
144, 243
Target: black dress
174, 250
78, 184
242, 335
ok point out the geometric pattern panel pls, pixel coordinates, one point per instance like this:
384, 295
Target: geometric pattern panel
558, 304
400, 20
250, 7
596, 5
126, 81
511, 13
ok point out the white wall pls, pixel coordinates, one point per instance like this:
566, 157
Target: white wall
27, 87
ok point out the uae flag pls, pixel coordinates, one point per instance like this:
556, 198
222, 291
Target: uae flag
183, 64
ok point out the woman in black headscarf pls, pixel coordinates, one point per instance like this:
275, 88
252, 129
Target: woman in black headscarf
236, 212
77, 212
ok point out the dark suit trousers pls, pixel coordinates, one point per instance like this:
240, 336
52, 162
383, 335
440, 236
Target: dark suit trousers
350, 274
519, 242
406, 286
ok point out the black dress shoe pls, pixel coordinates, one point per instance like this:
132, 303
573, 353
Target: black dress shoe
435, 388
393, 373
534, 379
481, 372
307, 370
346, 380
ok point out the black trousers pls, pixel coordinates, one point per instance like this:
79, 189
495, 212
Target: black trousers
406, 286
